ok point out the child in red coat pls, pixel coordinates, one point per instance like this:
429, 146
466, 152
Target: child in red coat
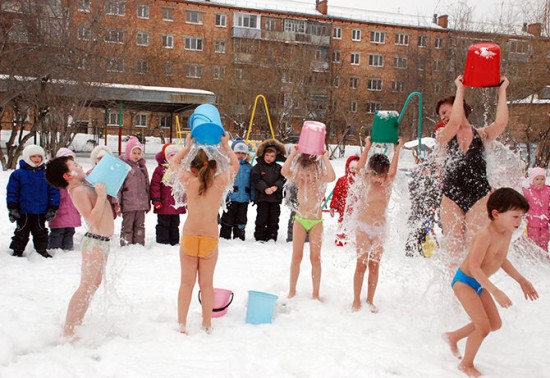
339, 196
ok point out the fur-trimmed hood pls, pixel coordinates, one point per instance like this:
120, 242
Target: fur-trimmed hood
281, 150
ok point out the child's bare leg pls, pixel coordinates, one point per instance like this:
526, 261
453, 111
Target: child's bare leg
315, 242
452, 338
93, 266
298, 240
189, 266
374, 267
206, 283
363, 247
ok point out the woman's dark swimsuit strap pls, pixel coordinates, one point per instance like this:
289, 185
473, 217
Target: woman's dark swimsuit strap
465, 180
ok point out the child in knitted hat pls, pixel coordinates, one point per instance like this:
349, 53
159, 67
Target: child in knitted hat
95, 156
133, 196
538, 216
31, 201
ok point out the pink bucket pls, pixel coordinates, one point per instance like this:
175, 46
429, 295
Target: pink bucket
312, 138
222, 300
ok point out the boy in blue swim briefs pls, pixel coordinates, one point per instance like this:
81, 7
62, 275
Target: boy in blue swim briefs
488, 253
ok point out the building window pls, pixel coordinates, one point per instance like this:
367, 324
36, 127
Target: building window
142, 39
239, 73
376, 60
82, 63
397, 86
193, 43
84, 5
115, 36
337, 32
142, 67
167, 14
400, 62
143, 11
355, 58
374, 85
354, 82
438, 42
518, 47
353, 106
168, 69
356, 35
140, 120
378, 37
221, 20
336, 57
287, 77
168, 41
422, 41
165, 121
193, 17
270, 24
244, 20
438, 64
193, 71
83, 33
402, 39
372, 107
115, 7
219, 72
336, 81
421, 64
219, 47
113, 119
295, 26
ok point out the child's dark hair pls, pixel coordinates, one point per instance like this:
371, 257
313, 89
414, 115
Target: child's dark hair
55, 169
379, 164
451, 100
505, 199
204, 169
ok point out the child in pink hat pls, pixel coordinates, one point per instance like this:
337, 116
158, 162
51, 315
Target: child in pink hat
538, 216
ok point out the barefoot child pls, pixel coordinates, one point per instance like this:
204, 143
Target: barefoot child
310, 179
370, 212
91, 203
471, 284
205, 189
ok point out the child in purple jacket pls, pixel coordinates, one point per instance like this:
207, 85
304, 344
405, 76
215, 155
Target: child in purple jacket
133, 196
168, 216
62, 227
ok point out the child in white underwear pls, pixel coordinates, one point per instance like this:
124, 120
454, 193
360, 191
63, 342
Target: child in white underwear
370, 212
310, 180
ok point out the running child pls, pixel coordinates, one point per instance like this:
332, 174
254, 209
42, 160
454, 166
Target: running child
370, 216
471, 284
205, 188
91, 202
310, 179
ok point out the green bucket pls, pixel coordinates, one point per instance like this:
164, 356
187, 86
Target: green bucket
385, 126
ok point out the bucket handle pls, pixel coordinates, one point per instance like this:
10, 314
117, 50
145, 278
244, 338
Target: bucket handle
195, 115
217, 309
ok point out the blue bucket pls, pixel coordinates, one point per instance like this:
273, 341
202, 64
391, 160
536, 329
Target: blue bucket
260, 307
206, 125
111, 172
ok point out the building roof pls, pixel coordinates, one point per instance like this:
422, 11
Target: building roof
544, 98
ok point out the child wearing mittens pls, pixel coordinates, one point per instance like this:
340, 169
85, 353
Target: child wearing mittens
164, 204
133, 196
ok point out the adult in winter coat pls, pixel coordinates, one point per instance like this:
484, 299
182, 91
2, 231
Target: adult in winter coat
538, 216
268, 183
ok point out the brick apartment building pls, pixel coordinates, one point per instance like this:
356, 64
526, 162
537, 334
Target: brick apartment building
323, 62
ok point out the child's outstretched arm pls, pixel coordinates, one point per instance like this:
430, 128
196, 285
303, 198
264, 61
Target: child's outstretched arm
286, 170
457, 114
175, 162
395, 160
233, 160
528, 290
363, 159
330, 176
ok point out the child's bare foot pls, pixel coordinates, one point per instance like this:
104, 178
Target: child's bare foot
356, 306
207, 330
291, 294
182, 329
372, 308
470, 371
452, 344
317, 298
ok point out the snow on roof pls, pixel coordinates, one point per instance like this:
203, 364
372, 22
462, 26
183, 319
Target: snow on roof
533, 99
426, 141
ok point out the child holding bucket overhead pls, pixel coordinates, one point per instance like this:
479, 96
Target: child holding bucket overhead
308, 168
206, 188
370, 216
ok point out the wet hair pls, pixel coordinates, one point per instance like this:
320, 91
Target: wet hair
451, 100
505, 199
55, 169
204, 169
379, 164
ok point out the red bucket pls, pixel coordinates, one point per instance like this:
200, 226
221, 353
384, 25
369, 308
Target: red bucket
482, 67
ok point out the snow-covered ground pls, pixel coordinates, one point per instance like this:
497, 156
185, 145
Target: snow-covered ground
131, 328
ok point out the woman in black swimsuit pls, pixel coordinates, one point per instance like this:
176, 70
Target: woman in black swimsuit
465, 184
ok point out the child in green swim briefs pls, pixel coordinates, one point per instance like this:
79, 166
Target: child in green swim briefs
471, 285
310, 179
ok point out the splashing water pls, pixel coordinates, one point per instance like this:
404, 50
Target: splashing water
504, 167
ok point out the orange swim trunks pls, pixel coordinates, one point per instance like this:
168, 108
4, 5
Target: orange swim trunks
198, 246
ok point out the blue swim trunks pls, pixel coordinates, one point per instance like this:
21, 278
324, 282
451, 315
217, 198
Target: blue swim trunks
460, 276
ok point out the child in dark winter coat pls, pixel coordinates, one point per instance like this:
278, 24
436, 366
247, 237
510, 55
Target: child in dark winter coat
235, 218
67, 218
168, 216
31, 202
268, 183
133, 196
339, 196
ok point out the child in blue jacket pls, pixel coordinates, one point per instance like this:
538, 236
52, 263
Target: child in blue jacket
235, 218
31, 202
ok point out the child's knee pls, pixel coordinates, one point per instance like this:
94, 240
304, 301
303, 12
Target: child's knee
483, 328
315, 259
496, 325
